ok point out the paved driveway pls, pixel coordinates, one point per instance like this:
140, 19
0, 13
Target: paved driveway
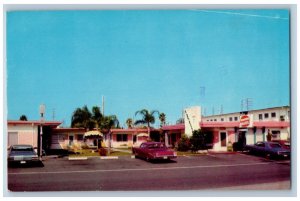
185, 173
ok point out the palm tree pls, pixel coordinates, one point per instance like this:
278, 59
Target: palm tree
162, 118
109, 122
147, 118
81, 118
23, 118
97, 117
129, 122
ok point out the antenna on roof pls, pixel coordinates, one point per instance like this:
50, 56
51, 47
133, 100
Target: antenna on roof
53, 114
103, 105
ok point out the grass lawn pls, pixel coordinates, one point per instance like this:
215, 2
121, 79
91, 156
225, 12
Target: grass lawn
89, 152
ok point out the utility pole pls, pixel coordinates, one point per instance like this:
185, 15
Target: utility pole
103, 105
53, 114
42, 112
247, 103
221, 109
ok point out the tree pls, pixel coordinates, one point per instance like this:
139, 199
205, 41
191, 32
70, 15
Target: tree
198, 140
162, 118
129, 123
180, 121
23, 118
109, 122
82, 118
147, 117
184, 143
97, 116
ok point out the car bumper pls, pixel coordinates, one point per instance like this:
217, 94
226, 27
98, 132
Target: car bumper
164, 157
23, 161
284, 156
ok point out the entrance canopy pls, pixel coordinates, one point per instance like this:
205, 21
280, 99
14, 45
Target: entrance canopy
143, 135
93, 134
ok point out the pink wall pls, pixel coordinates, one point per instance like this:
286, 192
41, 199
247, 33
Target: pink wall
216, 136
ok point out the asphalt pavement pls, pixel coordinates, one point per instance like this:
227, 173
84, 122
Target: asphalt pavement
206, 172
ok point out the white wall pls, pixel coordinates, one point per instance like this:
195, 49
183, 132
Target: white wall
26, 134
192, 117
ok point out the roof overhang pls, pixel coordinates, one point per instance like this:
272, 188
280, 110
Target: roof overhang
34, 123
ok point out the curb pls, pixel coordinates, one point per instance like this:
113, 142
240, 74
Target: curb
109, 157
77, 158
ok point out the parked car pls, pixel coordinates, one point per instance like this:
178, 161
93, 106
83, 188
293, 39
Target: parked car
284, 143
153, 150
43, 151
22, 154
268, 149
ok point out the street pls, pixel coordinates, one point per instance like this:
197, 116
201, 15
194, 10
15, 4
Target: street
205, 172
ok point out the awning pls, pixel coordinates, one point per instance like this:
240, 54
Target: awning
93, 134
143, 135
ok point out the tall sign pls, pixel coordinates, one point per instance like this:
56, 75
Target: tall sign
246, 121
192, 119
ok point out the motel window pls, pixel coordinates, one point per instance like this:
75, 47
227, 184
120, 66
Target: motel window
222, 119
260, 116
215, 119
276, 135
273, 114
121, 137
266, 115
230, 118
80, 137
235, 118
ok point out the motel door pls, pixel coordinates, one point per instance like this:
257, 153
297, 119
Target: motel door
242, 138
71, 139
223, 139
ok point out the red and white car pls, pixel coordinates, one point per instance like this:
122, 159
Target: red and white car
153, 150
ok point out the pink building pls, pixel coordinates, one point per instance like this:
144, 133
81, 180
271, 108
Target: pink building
224, 129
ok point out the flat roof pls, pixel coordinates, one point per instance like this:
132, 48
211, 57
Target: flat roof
33, 122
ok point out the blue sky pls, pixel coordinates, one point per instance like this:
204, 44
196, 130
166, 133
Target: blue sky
158, 60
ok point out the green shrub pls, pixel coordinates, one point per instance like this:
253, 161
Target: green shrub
198, 140
184, 143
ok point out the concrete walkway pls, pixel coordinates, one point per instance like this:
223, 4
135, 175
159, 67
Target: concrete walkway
122, 150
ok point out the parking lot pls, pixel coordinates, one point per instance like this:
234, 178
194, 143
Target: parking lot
130, 174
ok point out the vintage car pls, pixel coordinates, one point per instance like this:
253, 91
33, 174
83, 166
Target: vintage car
284, 143
22, 154
153, 150
268, 150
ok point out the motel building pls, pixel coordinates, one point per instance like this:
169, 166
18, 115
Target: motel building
246, 127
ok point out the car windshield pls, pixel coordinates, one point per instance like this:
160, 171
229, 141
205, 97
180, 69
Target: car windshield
275, 145
156, 146
22, 149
